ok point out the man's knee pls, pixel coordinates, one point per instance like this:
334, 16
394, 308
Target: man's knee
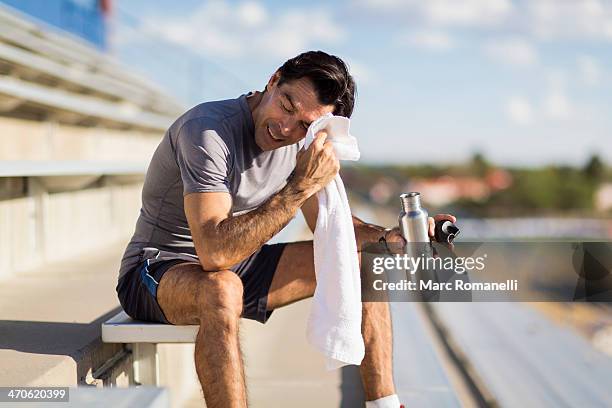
221, 295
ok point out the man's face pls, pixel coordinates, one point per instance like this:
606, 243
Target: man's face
285, 112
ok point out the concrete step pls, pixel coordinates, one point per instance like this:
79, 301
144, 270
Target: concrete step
511, 343
50, 322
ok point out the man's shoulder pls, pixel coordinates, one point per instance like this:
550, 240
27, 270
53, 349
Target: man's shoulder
212, 115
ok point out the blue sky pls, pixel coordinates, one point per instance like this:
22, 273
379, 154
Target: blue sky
524, 82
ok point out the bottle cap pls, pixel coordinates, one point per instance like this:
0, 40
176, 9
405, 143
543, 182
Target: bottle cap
411, 201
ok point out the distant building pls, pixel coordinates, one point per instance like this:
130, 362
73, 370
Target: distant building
498, 179
446, 189
383, 190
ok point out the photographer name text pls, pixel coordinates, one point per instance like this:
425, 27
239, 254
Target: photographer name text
406, 285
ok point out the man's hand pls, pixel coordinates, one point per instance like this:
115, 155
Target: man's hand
437, 218
394, 236
316, 166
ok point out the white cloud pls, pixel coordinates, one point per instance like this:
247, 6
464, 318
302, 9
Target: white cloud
249, 29
360, 71
553, 19
590, 70
387, 5
445, 12
428, 39
541, 19
556, 79
513, 51
557, 104
252, 13
519, 110
466, 12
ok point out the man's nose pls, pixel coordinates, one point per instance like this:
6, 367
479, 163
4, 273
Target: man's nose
287, 127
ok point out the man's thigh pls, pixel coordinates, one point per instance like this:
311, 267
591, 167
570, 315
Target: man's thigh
294, 278
184, 287
179, 291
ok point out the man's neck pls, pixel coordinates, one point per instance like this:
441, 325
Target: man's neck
253, 101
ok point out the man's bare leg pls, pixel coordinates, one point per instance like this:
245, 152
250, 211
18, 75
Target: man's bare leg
295, 279
218, 359
377, 366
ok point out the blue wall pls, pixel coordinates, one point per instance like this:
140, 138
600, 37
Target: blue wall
83, 18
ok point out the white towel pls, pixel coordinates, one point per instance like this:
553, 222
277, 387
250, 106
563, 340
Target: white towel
334, 325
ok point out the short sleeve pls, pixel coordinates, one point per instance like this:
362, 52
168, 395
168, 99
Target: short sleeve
204, 160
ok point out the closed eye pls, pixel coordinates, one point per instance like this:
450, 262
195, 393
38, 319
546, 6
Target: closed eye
292, 110
286, 109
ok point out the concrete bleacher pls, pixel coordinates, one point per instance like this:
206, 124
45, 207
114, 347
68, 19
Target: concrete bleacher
94, 81
84, 106
545, 363
51, 323
77, 130
42, 65
50, 320
68, 168
88, 397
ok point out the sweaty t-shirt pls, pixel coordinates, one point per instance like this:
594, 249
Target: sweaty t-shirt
209, 148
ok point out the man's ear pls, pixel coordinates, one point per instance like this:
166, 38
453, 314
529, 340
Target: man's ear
274, 79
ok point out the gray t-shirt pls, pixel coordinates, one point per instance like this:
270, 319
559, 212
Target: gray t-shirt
209, 148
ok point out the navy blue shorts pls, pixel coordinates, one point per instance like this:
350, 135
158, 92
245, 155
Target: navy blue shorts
137, 289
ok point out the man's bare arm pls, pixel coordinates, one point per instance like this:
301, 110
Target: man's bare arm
310, 210
222, 240
226, 241
364, 232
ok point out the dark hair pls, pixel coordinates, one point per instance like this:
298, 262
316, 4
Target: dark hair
329, 75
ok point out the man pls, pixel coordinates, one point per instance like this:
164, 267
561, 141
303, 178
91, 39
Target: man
227, 177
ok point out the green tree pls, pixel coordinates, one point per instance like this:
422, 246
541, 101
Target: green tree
594, 168
479, 164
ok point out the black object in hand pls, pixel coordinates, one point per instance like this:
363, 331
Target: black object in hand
445, 231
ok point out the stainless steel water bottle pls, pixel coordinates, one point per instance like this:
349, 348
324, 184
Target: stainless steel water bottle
414, 227
413, 220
